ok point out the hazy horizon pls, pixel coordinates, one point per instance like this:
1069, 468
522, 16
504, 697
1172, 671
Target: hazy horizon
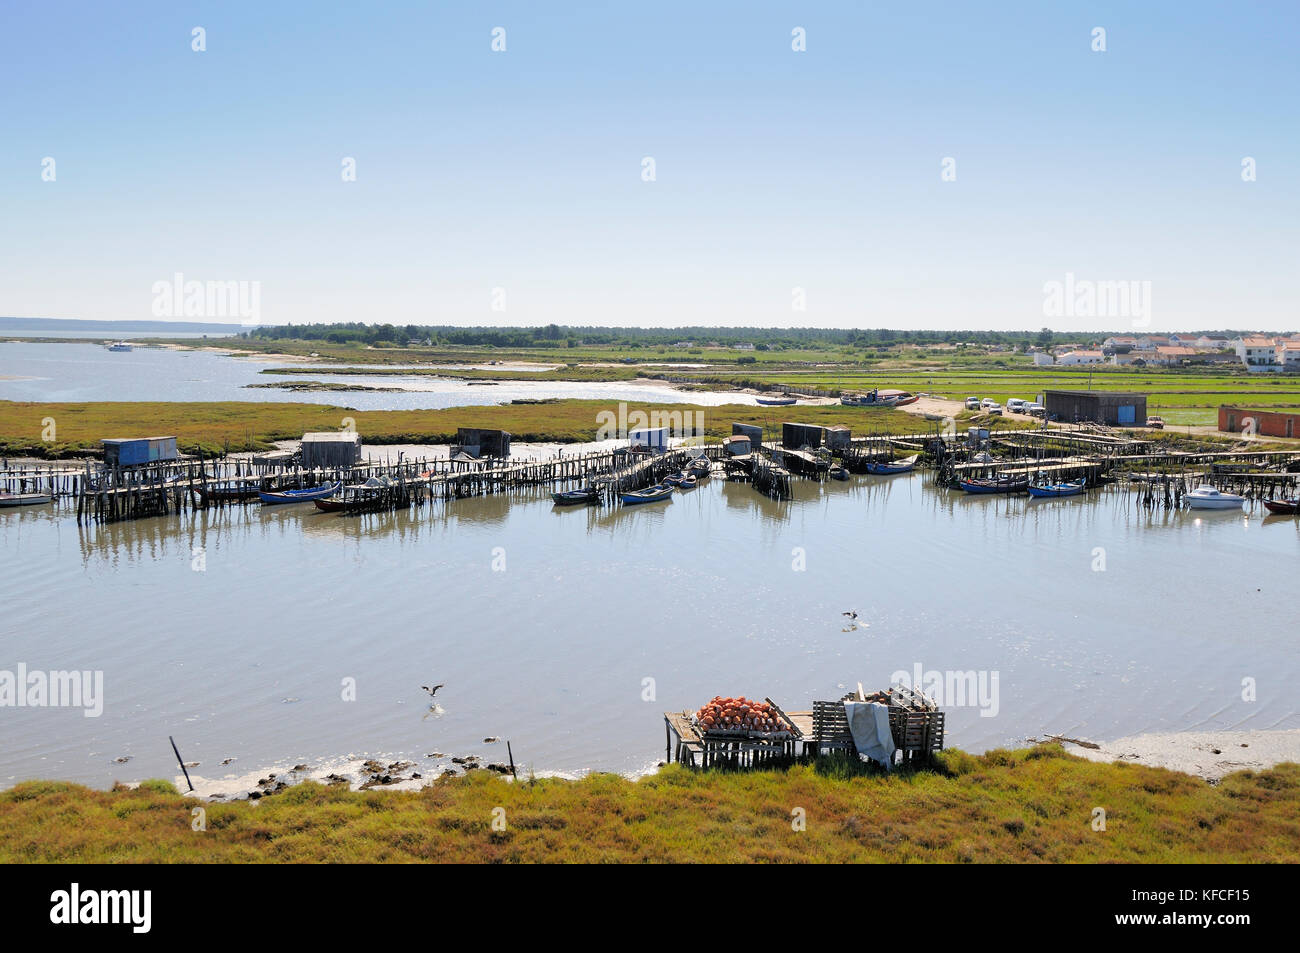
913, 169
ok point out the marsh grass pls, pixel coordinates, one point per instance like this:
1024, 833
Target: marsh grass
1005, 806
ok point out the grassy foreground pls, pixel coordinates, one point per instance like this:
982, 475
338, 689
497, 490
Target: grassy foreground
1020, 806
240, 425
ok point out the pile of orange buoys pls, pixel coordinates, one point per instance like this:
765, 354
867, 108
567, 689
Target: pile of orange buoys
739, 715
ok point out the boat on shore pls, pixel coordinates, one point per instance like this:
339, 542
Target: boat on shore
1207, 497
651, 494
305, 495
1000, 485
1283, 507
24, 499
880, 397
1068, 488
883, 468
588, 494
776, 401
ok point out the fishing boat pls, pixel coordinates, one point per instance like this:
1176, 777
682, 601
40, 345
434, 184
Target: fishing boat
305, 495
839, 473
700, 467
588, 494
1070, 488
905, 465
688, 483
24, 499
1000, 485
1207, 497
1284, 507
651, 494
880, 397
119, 346
675, 479
224, 494
777, 401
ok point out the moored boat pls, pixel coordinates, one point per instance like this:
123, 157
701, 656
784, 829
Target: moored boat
120, 346
839, 473
675, 479
1207, 497
776, 401
1283, 507
224, 494
305, 495
24, 499
905, 465
588, 494
1070, 488
651, 494
688, 482
700, 467
1000, 485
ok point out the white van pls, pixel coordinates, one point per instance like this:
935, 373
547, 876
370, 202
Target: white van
1016, 405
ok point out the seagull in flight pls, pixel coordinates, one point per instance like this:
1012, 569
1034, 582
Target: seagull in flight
432, 691
852, 614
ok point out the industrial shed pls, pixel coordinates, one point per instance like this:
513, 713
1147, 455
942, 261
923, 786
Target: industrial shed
1114, 408
796, 436
331, 448
477, 442
650, 438
133, 451
838, 437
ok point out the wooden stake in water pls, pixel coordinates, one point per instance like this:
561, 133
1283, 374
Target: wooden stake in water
511, 755
180, 762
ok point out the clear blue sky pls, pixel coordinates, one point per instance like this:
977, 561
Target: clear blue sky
775, 169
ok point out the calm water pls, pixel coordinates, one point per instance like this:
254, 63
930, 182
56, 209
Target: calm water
246, 659
88, 372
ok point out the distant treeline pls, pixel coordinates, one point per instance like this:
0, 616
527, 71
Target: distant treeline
560, 336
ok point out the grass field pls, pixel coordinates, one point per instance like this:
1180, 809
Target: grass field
1023, 806
238, 425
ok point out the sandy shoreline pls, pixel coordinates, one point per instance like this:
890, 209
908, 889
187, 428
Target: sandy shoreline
1206, 754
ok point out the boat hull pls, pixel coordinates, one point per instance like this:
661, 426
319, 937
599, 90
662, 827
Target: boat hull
575, 497
994, 486
1283, 507
1056, 490
24, 499
298, 496
652, 495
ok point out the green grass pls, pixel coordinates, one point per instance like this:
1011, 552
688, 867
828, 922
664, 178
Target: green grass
1005, 806
240, 425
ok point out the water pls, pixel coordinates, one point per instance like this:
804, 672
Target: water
553, 648
90, 372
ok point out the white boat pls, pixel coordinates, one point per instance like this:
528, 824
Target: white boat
119, 346
1209, 498
23, 499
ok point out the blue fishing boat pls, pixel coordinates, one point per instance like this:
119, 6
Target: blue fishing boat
1071, 488
588, 494
776, 401
700, 467
906, 465
305, 495
1003, 485
652, 494
675, 479
688, 483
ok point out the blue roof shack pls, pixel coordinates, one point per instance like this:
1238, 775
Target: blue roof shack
134, 451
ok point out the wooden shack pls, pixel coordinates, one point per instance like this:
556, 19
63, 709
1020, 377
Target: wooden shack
838, 437
134, 451
737, 445
1111, 407
649, 438
797, 436
331, 448
755, 434
477, 442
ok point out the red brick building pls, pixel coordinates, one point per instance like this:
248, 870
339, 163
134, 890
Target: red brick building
1267, 423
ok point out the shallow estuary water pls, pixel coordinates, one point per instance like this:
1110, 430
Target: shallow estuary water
544, 625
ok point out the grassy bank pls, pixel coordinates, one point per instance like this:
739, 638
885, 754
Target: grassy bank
238, 425
1022, 806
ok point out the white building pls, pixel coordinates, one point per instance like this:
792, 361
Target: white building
1081, 357
1256, 351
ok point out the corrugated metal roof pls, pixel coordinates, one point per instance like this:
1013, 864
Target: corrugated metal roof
332, 436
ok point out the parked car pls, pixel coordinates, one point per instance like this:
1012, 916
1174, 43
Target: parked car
1036, 410
1016, 405
972, 403
987, 403
1156, 423
994, 408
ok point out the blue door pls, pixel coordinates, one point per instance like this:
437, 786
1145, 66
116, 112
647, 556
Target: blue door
1128, 414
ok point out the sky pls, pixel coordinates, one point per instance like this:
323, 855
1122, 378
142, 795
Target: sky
790, 187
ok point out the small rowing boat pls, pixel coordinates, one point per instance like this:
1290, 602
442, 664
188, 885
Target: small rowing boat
305, 495
24, 499
905, 465
588, 494
776, 401
1211, 498
688, 483
224, 494
652, 494
839, 473
1070, 488
1283, 507
675, 479
1001, 485
700, 467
